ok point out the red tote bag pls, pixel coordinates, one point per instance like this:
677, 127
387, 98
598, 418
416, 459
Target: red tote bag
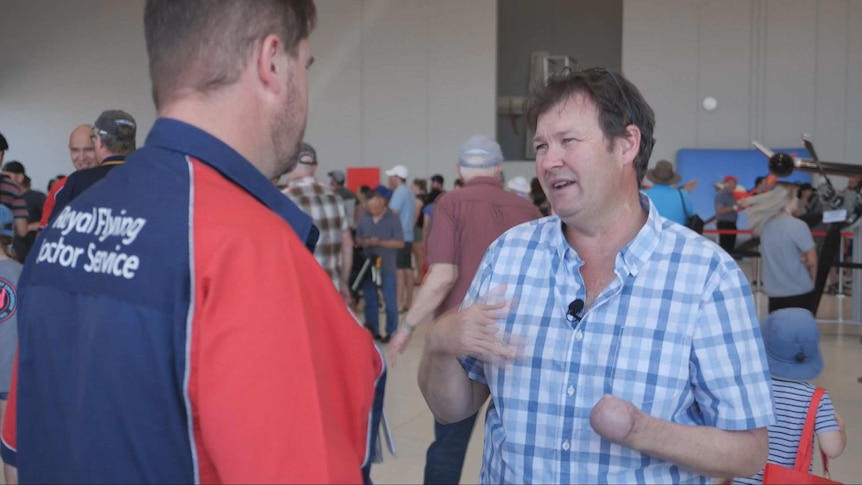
777, 474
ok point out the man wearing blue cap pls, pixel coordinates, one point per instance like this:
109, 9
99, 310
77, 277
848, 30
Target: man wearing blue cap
465, 223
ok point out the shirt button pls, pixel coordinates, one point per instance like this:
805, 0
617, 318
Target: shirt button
571, 390
579, 335
566, 445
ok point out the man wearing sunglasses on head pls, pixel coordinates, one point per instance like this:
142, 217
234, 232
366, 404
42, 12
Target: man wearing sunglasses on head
615, 345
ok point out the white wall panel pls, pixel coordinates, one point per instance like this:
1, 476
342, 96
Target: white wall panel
461, 78
662, 62
63, 63
853, 89
777, 68
334, 84
791, 40
723, 27
394, 81
830, 81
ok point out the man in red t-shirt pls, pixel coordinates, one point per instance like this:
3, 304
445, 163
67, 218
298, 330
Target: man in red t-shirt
83, 154
465, 223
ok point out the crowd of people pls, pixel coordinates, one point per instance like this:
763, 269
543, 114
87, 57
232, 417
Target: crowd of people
781, 217
202, 329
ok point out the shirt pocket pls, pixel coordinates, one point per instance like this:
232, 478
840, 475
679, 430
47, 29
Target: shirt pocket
649, 367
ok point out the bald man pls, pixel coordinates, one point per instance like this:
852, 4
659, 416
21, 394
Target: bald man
82, 150
81, 147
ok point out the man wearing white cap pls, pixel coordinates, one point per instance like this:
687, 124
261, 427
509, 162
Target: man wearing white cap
519, 186
402, 204
465, 223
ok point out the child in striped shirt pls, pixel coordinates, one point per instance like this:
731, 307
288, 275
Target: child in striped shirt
792, 342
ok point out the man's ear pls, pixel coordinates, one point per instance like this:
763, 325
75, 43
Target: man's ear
271, 63
630, 144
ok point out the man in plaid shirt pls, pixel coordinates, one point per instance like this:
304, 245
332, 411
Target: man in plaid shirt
615, 345
334, 249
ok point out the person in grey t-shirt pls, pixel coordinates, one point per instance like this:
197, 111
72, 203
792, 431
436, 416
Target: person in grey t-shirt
10, 271
379, 232
787, 249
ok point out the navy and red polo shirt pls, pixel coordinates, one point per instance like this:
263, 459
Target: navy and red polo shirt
174, 327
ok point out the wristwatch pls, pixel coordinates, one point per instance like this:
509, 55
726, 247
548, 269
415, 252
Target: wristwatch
407, 326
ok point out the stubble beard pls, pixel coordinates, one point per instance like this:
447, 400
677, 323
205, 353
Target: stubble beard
287, 131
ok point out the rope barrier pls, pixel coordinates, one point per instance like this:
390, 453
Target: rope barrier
748, 232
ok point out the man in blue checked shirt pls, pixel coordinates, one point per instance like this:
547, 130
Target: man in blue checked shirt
616, 346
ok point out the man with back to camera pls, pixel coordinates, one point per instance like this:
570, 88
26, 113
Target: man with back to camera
192, 337
465, 223
113, 139
334, 250
726, 214
82, 151
616, 346
352, 208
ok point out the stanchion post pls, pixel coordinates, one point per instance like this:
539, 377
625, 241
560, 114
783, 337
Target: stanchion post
856, 290
825, 259
841, 268
758, 282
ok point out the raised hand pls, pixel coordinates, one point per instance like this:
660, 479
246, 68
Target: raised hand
474, 331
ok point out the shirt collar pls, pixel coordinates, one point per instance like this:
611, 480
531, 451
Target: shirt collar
177, 136
633, 256
483, 181
300, 182
114, 160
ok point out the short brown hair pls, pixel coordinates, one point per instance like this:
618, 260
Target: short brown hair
618, 101
422, 184
6, 247
202, 45
116, 146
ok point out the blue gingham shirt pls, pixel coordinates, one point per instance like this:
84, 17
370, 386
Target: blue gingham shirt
675, 333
